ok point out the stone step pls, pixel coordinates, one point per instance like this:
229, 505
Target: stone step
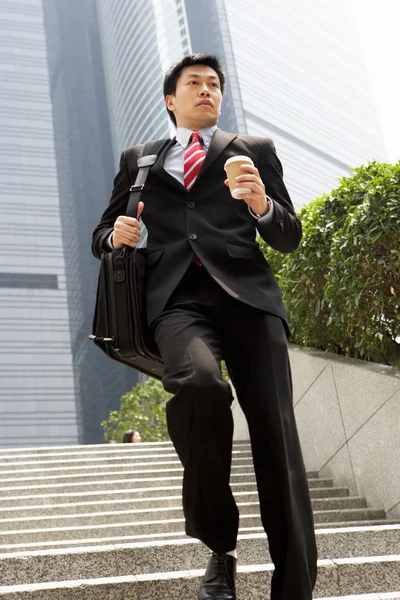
136, 515
151, 538
99, 506
31, 477
137, 493
123, 457
130, 467
181, 554
336, 577
76, 483
98, 448
98, 467
387, 596
154, 521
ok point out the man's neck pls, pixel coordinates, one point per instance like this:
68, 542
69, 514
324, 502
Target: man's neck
194, 126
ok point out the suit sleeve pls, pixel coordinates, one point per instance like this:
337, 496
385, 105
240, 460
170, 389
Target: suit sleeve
283, 232
117, 206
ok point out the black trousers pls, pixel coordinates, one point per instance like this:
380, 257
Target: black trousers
200, 325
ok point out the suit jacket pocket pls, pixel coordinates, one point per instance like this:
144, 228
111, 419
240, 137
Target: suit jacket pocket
154, 257
246, 252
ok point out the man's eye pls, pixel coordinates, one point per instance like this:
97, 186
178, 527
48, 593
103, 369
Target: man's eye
190, 82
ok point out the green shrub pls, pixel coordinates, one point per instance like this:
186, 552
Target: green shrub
143, 408
276, 259
340, 287
302, 278
363, 282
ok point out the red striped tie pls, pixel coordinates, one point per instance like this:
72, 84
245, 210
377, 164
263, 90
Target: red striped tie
193, 159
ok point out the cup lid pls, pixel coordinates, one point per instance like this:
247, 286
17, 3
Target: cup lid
239, 158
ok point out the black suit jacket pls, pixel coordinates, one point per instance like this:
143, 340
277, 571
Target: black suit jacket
209, 223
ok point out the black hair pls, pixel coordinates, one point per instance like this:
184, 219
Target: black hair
174, 72
128, 436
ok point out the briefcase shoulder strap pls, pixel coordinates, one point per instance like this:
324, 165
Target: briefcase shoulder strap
148, 156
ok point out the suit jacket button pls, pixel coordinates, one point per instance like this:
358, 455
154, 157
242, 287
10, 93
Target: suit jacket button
193, 236
191, 204
281, 225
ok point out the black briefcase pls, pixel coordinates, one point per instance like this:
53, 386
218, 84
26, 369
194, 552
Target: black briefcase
120, 326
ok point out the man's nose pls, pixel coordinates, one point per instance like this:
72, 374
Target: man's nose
204, 91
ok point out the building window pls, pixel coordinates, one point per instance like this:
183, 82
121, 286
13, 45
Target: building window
35, 281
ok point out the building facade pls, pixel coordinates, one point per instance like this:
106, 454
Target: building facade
85, 170
139, 41
295, 73
81, 80
304, 83
37, 399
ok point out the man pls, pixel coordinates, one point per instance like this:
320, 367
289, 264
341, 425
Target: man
211, 296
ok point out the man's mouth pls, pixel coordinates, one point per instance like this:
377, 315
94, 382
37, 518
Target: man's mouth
205, 103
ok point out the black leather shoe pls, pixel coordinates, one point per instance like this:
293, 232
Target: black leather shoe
219, 579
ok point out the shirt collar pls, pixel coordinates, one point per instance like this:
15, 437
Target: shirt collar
183, 135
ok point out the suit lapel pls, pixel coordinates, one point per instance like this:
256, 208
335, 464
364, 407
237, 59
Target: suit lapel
158, 168
221, 139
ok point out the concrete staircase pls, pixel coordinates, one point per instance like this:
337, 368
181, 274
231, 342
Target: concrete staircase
105, 523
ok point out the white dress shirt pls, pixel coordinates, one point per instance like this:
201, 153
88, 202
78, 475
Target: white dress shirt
174, 166
174, 160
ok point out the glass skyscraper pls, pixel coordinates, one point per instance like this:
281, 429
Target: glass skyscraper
304, 83
139, 40
85, 170
295, 73
81, 80
37, 399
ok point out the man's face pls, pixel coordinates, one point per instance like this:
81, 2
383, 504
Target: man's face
197, 101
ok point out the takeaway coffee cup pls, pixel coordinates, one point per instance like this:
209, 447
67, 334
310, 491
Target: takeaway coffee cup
233, 169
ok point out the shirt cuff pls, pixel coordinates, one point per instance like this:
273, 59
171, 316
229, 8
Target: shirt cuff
107, 244
265, 218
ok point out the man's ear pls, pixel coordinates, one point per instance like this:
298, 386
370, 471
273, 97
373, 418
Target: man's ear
170, 102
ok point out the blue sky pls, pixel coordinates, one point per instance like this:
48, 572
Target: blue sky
378, 26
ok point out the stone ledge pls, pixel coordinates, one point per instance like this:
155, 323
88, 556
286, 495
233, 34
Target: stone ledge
346, 360
332, 502
140, 494
186, 553
335, 577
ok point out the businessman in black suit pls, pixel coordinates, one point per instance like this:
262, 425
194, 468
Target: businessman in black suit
211, 295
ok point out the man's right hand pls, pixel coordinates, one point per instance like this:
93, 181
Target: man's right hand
127, 230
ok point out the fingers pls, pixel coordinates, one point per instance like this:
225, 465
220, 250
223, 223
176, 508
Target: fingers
131, 241
256, 189
127, 220
126, 231
250, 169
249, 178
140, 209
127, 227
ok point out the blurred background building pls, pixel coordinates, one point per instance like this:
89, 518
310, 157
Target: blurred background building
85, 170
37, 398
295, 69
295, 73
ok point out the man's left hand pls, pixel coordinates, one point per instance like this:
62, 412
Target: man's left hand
257, 199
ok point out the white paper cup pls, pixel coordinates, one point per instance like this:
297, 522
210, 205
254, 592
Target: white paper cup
233, 169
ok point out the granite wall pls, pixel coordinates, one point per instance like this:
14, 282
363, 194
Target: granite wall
348, 416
